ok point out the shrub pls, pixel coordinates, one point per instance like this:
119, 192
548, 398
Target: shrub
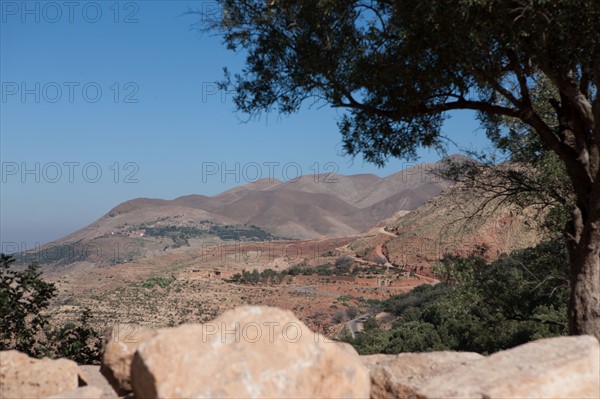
479, 307
78, 342
339, 316
162, 282
24, 296
352, 312
344, 261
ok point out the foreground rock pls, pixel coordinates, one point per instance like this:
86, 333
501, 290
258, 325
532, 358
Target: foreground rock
121, 343
564, 367
259, 352
401, 376
80, 393
24, 377
265, 352
96, 379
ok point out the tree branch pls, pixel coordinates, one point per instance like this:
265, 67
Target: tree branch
466, 104
524, 89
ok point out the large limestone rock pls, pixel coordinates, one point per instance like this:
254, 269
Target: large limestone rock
401, 376
564, 367
120, 344
24, 377
96, 379
247, 352
80, 393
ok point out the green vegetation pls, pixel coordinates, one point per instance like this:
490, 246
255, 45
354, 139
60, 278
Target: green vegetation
78, 342
162, 282
24, 297
478, 307
267, 276
181, 234
344, 267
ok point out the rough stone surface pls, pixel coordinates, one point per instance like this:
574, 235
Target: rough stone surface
400, 376
121, 343
89, 392
96, 379
348, 349
24, 377
563, 367
247, 352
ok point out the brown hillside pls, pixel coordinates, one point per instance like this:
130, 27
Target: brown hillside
453, 222
319, 214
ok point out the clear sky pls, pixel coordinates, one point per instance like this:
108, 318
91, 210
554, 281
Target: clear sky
106, 101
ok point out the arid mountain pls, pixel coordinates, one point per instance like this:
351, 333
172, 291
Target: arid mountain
296, 214
158, 262
324, 205
311, 206
455, 221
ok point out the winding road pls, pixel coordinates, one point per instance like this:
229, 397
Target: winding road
356, 325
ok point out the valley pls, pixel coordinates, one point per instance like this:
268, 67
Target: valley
166, 262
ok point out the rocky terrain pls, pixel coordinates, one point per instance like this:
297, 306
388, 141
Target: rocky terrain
236, 311
162, 263
265, 352
306, 207
458, 222
196, 283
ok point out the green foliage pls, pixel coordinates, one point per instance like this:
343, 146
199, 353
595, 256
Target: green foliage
344, 261
78, 342
181, 234
162, 282
344, 267
399, 67
352, 312
415, 299
24, 297
479, 307
414, 336
364, 252
371, 340
267, 276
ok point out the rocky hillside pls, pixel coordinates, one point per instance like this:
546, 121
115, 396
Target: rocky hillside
260, 352
456, 221
307, 207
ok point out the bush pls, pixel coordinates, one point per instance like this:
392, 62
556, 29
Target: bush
78, 342
344, 261
479, 307
24, 296
339, 316
162, 282
352, 312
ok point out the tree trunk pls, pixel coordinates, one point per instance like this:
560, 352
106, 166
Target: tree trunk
584, 253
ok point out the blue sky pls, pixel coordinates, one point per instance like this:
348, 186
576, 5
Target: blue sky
106, 101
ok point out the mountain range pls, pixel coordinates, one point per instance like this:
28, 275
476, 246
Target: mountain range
307, 207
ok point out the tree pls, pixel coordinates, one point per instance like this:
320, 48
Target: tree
478, 307
78, 342
525, 173
23, 297
398, 67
